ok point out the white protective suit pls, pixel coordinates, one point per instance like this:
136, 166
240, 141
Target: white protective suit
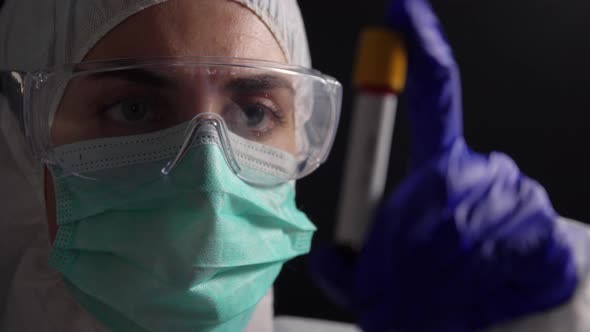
40, 33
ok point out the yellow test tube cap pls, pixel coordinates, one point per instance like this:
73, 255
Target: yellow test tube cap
381, 60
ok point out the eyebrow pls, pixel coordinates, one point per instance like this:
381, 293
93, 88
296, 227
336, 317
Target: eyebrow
138, 75
259, 83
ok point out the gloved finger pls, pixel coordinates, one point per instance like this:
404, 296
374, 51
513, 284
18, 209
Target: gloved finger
331, 268
433, 89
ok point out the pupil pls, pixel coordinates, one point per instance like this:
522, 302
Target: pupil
134, 112
254, 116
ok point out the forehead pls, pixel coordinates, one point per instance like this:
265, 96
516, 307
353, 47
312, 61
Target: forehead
190, 28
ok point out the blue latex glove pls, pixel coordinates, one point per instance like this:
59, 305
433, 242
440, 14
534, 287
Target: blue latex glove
466, 241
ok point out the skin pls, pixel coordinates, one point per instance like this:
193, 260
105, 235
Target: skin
182, 28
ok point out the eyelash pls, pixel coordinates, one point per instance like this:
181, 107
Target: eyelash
277, 114
249, 101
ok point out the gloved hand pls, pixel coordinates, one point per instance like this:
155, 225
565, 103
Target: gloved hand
466, 241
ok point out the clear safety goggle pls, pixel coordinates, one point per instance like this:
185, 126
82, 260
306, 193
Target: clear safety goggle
88, 116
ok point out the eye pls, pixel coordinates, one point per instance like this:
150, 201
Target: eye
256, 116
252, 119
129, 113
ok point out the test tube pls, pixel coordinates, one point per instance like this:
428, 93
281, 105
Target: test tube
379, 77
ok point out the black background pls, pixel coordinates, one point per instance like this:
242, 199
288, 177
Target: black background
525, 74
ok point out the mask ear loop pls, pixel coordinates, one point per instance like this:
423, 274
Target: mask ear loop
198, 122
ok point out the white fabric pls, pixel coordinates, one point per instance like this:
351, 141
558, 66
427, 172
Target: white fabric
35, 34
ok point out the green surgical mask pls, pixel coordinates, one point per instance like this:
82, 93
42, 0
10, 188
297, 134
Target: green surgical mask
193, 250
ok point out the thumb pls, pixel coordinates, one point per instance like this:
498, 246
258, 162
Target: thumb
433, 88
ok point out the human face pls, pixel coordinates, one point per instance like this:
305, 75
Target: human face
137, 102
183, 28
